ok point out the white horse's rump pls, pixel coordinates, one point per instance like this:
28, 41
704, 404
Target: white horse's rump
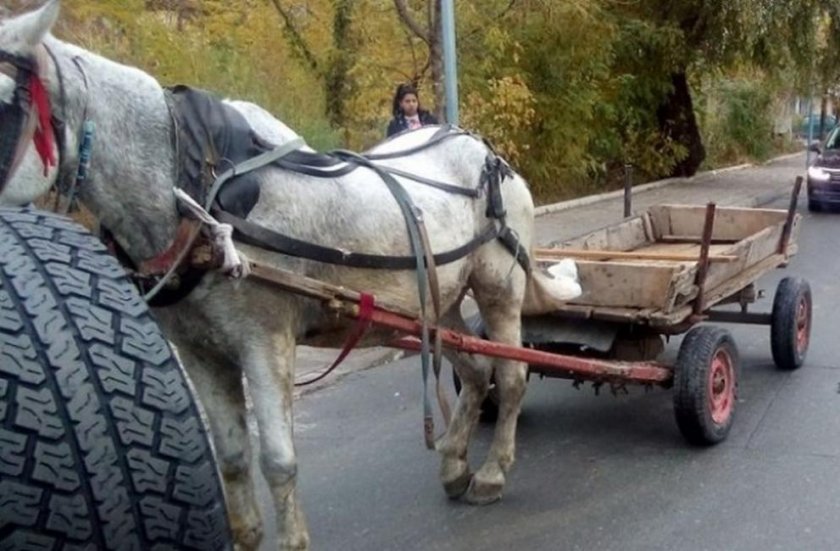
223, 331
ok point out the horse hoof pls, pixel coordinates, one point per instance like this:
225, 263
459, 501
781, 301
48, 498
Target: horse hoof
483, 492
247, 539
298, 544
455, 488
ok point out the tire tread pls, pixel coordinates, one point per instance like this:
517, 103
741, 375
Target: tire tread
86, 381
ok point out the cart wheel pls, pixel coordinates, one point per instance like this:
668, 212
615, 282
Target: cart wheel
490, 405
790, 328
706, 385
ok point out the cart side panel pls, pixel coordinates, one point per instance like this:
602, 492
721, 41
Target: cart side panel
750, 252
731, 223
624, 236
636, 285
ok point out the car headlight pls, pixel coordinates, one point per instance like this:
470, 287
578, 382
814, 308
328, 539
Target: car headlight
818, 174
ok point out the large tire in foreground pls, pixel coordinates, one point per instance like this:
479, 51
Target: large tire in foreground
101, 442
706, 385
790, 325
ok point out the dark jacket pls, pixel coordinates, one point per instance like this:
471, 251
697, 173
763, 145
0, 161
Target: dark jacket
398, 123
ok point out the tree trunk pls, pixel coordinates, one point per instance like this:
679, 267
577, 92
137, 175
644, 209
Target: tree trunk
337, 83
823, 114
436, 53
677, 121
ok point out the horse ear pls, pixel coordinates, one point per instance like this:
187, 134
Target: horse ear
22, 34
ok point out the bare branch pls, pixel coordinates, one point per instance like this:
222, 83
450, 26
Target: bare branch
296, 39
497, 17
507, 9
411, 23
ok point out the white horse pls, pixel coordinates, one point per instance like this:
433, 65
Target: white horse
224, 329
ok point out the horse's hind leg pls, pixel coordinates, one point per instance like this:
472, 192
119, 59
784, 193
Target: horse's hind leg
269, 368
219, 386
474, 372
500, 303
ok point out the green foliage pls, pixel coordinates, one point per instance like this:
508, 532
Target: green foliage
738, 124
234, 50
570, 90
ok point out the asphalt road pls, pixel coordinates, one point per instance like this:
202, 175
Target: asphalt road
596, 472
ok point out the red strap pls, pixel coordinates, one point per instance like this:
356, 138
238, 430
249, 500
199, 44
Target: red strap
366, 308
44, 137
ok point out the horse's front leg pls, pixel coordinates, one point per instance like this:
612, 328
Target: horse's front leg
219, 385
269, 368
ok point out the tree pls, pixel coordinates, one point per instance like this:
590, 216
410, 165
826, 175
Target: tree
684, 36
331, 64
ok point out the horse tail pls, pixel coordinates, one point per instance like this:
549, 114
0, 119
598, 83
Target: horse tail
547, 290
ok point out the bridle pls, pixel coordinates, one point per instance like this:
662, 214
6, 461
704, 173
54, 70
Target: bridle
30, 117
30, 114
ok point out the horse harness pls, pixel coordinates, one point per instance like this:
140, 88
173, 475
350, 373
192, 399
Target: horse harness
32, 118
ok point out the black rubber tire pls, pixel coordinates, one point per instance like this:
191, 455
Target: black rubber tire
102, 445
814, 206
490, 405
785, 323
692, 398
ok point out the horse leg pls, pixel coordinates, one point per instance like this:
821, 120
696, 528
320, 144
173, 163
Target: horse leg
474, 372
220, 388
270, 374
502, 318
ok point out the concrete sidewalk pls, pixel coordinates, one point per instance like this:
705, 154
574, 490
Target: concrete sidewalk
745, 185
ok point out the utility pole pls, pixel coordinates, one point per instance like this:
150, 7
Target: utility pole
450, 61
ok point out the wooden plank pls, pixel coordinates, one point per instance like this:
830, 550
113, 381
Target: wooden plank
750, 275
313, 288
624, 284
605, 313
688, 249
543, 254
623, 236
693, 239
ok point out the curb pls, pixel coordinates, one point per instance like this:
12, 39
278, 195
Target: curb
767, 198
387, 355
589, 199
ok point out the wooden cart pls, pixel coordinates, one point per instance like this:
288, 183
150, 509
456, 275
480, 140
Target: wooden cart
661, 273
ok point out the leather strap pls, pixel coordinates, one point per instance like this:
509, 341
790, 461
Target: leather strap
366, 308
254, 234
251, 164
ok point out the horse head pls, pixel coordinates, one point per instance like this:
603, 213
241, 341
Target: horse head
50, 92
28, 151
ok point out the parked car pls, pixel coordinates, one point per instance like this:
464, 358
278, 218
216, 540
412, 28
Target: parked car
824, 173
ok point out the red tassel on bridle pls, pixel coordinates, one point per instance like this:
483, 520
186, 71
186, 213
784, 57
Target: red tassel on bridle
44, 138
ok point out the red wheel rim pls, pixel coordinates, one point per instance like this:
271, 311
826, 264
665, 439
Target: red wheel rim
721, 387
803, 325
